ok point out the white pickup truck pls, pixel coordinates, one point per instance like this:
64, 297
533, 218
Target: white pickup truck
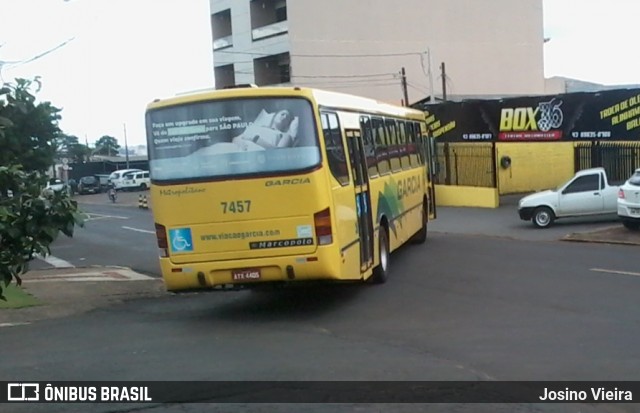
587, 193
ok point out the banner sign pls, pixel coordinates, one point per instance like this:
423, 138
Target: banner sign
156, 392
612, 115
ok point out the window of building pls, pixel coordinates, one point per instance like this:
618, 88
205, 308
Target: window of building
281, 11
272, 70
225, 76
268, 18
221, 29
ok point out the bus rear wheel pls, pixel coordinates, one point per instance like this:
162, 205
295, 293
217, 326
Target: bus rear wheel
381, 272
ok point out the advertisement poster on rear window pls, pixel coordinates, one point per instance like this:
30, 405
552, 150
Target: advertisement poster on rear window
231, 137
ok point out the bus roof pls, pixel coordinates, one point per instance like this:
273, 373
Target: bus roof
324, 98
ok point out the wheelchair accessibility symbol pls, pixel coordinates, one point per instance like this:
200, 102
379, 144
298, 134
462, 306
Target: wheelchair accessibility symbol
181, 240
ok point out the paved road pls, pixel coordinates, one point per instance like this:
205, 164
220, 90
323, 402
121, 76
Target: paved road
122, 234
114, 234
461, 307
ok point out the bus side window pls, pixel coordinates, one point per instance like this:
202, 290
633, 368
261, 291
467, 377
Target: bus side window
412, 146
369, 148
392, 141
420, 141
403, 149
334, 147
380, 141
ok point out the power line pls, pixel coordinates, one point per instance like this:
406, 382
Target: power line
346, 76
371, 76
349, 81
419, 89
385, 82
325, 55
358, 85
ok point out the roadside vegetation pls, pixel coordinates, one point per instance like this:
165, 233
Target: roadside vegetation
30, 219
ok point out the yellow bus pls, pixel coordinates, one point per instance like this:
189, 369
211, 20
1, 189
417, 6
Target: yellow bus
254, 186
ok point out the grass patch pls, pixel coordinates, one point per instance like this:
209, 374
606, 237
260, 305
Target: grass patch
17, 297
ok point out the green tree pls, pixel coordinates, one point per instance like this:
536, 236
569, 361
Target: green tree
68, 146
79, 153
29, 220
107, 145
29, 128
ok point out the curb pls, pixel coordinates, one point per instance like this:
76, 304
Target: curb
63, 292
611, 235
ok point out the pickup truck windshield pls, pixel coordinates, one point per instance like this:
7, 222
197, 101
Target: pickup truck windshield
231, 137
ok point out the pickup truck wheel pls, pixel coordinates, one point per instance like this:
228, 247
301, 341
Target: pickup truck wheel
543, 217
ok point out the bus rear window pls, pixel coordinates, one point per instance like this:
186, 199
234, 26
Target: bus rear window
231, 137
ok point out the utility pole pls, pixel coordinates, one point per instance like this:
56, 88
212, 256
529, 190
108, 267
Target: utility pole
405, 93
444, 82
432, 96
126, 147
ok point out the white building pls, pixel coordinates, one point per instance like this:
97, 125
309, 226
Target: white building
488, 47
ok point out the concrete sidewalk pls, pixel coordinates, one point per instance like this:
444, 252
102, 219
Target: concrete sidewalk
65, 291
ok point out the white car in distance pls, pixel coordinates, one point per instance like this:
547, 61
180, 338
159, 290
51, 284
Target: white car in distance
54, 185
135, 180
588, 193
629, 202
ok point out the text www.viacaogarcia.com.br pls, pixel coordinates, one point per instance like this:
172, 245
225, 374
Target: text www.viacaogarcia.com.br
239, 235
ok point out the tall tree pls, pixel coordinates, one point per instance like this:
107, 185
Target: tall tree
29, 220
68, 146
64, 143
107, 145
79, 153
30, 128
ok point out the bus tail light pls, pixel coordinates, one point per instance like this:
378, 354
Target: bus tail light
161, 237
322, 221
621, 194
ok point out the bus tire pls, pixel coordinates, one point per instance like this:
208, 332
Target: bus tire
421, 236
381, 272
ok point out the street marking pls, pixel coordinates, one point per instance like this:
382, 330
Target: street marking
55, 261
112, 274
636, 274
13, 324
146, 231
92, 216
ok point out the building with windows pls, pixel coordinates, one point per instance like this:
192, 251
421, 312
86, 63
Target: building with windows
458, 47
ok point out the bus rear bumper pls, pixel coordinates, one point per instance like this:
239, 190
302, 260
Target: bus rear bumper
248, 273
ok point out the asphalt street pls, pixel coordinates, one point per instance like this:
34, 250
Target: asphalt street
509, 304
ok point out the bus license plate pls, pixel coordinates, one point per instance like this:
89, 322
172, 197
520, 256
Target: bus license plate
246, 275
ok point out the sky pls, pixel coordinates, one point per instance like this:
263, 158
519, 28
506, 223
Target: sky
119, 55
